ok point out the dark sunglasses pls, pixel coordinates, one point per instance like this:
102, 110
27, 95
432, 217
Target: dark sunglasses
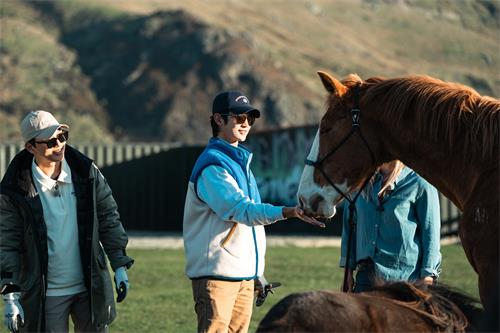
62, 137
240, 118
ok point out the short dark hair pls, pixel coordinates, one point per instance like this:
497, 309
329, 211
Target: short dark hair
215, 127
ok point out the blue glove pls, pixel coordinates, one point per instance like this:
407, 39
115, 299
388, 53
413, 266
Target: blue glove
121, 283
14, 313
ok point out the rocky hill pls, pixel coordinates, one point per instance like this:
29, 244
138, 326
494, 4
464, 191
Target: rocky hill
148, 70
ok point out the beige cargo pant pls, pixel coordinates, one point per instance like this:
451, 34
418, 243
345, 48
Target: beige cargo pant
223, 306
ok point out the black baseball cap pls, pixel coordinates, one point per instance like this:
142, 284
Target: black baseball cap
233, 102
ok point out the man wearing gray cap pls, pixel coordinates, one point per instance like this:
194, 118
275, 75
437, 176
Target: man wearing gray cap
57, 219
224, 219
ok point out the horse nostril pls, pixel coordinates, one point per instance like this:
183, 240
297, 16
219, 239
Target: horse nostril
315, 201
302, 201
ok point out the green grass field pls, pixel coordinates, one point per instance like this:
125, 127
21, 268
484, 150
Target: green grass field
160, 297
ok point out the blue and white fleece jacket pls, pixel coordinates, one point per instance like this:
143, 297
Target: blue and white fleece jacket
221, 192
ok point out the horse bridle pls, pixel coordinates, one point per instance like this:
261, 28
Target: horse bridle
355, 128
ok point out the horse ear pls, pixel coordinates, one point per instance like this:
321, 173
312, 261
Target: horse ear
332, 85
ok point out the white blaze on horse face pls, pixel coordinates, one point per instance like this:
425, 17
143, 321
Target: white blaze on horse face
308, 190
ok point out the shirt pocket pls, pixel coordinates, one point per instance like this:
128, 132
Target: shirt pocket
229, 235
386, 259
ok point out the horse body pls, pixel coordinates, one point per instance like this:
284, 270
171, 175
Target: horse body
327, 311
394, 307
445, 132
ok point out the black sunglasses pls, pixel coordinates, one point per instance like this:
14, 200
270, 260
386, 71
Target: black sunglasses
240, 118
62, 137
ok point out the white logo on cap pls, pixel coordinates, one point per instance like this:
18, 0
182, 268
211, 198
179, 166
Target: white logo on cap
243, 98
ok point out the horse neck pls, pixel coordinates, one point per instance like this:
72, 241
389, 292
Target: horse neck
447, 171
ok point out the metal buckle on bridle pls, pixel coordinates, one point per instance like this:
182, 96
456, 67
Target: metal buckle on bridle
355, 109
355, 117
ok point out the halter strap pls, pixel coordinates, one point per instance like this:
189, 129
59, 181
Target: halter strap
356, 128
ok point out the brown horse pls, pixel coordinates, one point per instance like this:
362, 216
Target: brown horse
446, 132
393, 307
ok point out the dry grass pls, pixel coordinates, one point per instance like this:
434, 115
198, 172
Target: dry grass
367, 37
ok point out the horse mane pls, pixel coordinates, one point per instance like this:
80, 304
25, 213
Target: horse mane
440, 110
444, 306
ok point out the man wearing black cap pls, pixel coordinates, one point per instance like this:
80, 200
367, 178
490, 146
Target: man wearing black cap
224, 219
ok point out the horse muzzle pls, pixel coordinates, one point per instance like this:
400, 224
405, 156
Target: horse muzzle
316, 206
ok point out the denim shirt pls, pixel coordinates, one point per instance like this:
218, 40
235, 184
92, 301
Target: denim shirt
401, 234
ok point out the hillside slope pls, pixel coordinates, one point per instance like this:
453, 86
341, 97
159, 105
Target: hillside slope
39, 72
147, 70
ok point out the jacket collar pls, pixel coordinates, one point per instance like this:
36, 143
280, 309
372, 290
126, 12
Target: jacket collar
402, 175
377, 184
18, 177
239, 154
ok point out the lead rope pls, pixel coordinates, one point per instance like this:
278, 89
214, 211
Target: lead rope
352, 219
352, 222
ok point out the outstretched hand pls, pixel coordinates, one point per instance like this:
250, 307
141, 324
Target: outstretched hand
299, 213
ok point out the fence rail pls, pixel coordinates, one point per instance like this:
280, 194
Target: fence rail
103, 155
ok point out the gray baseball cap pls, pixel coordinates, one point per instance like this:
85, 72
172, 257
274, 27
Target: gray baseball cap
40, 125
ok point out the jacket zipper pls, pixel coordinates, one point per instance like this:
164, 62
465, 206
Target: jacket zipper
253, 227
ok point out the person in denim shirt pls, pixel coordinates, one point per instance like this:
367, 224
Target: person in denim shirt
397, 235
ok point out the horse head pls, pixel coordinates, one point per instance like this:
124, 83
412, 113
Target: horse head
342, 154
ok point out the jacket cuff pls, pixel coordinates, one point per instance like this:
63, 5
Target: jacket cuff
9, 288
119, 258
272, 214
8, 279
427, 271
279, 213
